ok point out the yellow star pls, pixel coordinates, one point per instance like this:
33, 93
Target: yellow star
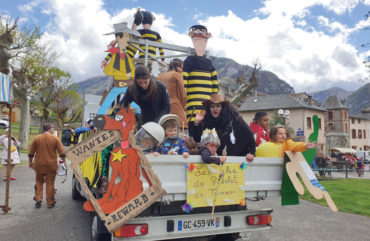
118, 155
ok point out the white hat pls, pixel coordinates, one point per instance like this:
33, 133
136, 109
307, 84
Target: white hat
155, 130
209, 136
122, 28
167, 117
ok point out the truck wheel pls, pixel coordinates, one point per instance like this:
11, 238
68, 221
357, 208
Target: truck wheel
75, 193
95, 227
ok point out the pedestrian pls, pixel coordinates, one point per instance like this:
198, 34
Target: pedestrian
44, 148
259, 127
233, 131
14, 156
149, 94
174, 82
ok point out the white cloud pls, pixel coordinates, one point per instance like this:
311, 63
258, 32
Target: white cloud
29, 6
282, 40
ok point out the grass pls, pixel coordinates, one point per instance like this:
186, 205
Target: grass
349, 195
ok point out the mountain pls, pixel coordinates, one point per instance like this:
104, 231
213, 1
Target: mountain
228, 71
359, 100
321, 95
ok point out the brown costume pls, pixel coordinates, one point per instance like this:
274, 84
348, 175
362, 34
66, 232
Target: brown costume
175, 86
44, 148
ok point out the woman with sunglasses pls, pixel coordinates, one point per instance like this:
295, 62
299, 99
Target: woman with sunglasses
233, 131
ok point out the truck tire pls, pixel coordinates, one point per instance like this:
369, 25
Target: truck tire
98, 230
75, 193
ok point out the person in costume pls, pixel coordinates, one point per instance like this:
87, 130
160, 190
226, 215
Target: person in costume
14, 156
209, 144
174, 82
232, 130
44, 148
282, 139
200, 77
146, 18
151, 96
149, 136
173, 143
259, 127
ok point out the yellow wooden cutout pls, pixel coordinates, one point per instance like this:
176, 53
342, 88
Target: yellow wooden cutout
298, 165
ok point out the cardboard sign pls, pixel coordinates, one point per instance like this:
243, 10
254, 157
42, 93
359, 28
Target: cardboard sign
125, 197
298, 165
203, 182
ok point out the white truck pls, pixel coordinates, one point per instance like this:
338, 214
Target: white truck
165, 219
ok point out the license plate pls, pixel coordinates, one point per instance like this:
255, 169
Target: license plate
196, 224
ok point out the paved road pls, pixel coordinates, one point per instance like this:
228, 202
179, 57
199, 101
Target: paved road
67, 221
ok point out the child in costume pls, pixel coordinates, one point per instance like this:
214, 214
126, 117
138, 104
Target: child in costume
209, 143
14, 156
200, 77
173, 144
259, 127
281, 138
149, 136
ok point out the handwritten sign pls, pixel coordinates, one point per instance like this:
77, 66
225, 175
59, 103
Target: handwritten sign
203, 184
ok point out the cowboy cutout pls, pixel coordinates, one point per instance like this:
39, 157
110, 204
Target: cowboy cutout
119, 65
200, 77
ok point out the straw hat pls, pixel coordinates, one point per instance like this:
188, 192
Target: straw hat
215, 99
122, 28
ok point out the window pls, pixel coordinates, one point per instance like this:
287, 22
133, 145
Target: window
364, 131
359, 134
353, 120
319, 123
359, 121
345, 127
330, 115
353, 134
309, 126
330, 126
92, 115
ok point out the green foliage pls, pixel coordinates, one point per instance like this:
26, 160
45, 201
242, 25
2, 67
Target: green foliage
349, 195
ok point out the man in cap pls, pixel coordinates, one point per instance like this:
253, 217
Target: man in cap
44, 148
200, 77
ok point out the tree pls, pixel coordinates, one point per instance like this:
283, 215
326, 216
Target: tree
246, 88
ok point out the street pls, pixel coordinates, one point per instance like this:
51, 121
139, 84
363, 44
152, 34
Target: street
67, 220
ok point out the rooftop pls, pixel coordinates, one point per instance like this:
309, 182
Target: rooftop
275, 102
333, 102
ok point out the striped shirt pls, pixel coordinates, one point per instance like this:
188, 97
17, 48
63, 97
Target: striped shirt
149, 35
200, 81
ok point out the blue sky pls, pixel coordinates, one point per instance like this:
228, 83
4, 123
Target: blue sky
311, 44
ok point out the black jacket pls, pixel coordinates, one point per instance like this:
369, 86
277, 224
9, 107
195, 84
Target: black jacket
228, 121
152, 109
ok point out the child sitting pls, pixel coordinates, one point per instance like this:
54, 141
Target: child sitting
281, 138
192, 146
149, 136
173, 144
209, 142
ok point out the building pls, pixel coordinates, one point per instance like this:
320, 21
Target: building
91, 106
337, 124
360, 131
300, 114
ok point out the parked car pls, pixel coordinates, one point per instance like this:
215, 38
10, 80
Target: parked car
5, 117
4, 124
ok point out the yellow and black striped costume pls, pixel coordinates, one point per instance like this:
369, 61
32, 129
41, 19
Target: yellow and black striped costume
119, 68
200, 81
149, 35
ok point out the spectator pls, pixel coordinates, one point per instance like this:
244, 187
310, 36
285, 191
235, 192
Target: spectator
150, 95
44, 148
14, 156
174, 82
233, 132
192, 146
259, 127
